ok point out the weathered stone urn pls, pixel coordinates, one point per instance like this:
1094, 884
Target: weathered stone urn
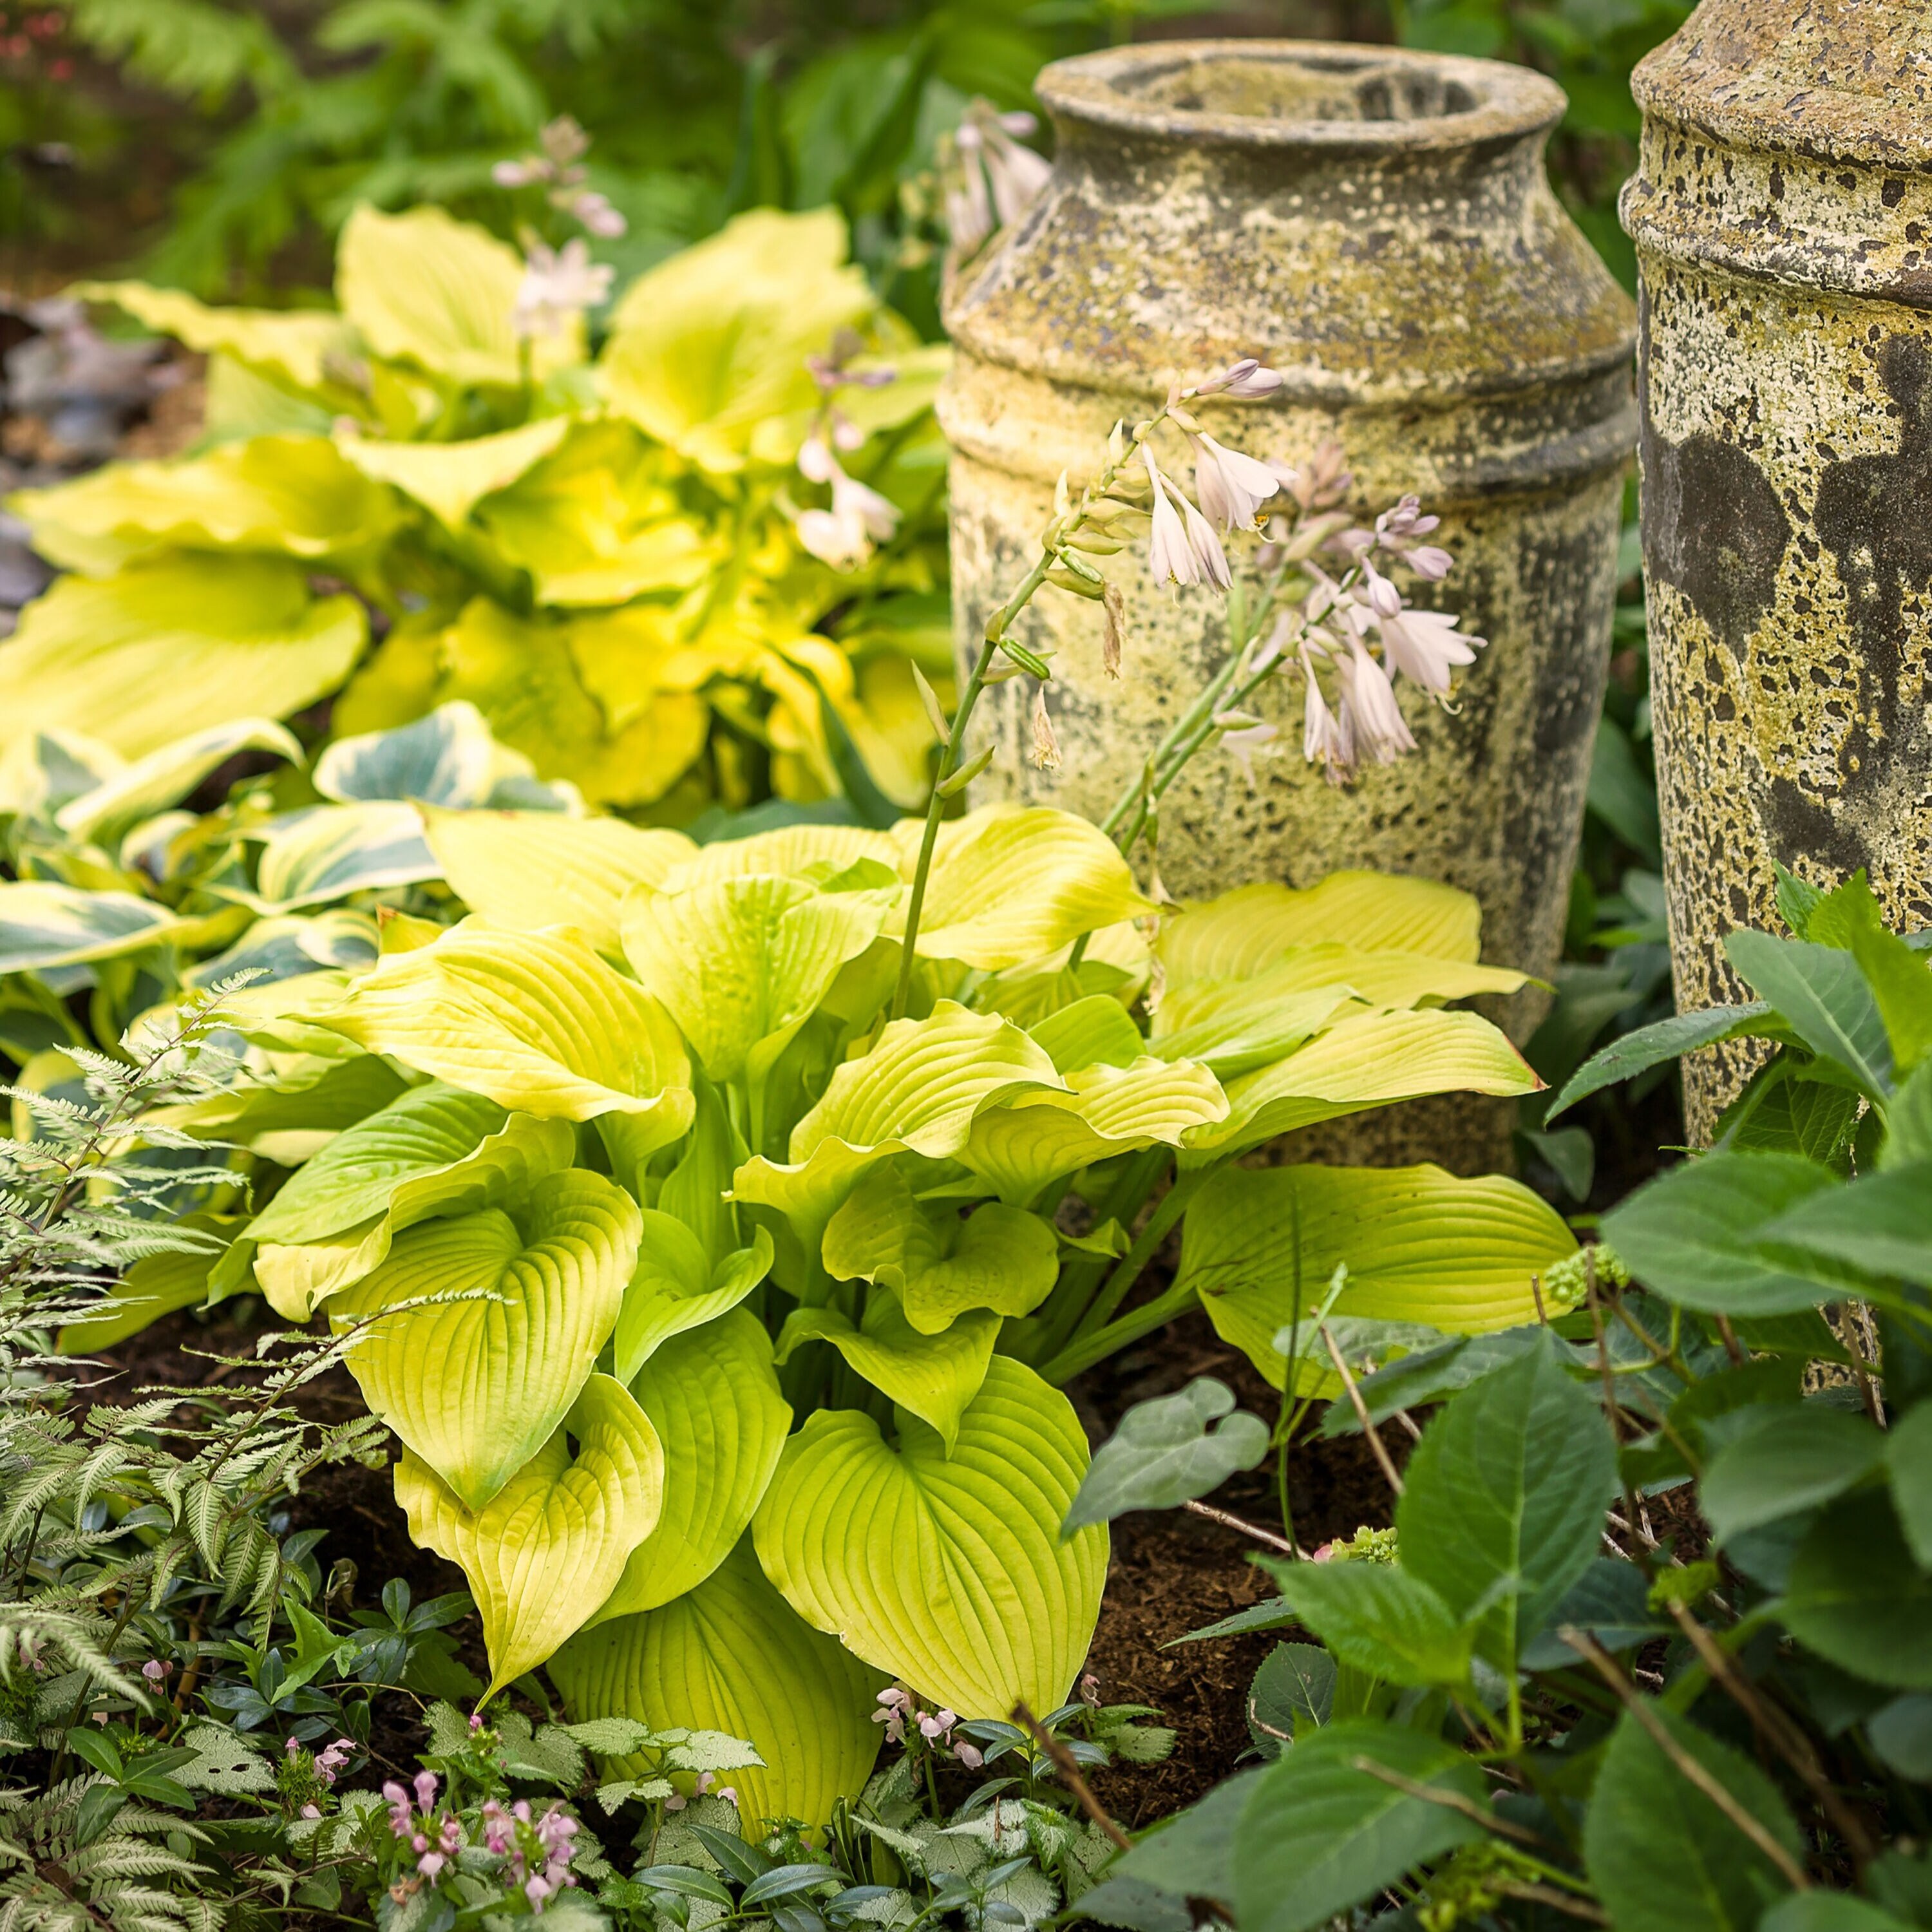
1378, 226
1782, 217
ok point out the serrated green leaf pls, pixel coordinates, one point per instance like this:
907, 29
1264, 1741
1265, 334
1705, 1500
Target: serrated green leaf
1378, 1619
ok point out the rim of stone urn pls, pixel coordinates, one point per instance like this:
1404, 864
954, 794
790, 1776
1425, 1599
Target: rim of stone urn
1404, 99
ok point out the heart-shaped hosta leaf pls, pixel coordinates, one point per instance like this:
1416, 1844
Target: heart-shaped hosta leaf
1039, 1137
741, 963
526, 870
1234, 1026
1009, 885
713, 1397
434, 1150
553, 1540
476, 1386
1091, 1031
1261, 1245
732, 1656
932, 1376
948, 1572
534, 1020
1245, 932
1368, 1059
941, 1263
677, 1286
918, 1088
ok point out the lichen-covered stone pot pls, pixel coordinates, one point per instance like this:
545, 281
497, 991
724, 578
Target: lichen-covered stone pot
1782, 217
1378, 226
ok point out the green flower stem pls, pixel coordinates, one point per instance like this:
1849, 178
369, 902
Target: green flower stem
1084, 1351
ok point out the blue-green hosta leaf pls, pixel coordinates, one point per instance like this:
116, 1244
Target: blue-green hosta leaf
526, 870
44, 924
941, 1263
677, 1286
1164, 1453
1368, 1059
732, 1656
144, 786
447, 758
933, 1377
713, 1397
1248, 930
947, 1571
1039, 1137
476, 1386
741, 964
553, 1541
326, 851
918, 1088
1261, 1245
534, 1020
1009, 885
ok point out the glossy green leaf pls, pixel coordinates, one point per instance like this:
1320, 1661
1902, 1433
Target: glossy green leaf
515, 1306
553, 1541
1634, 1052
677, 1286
947, 1572
1908, 1450
1164, 1452
1880, 1225
1821, 992
1799, 1456
1378, 1619
1855, 1596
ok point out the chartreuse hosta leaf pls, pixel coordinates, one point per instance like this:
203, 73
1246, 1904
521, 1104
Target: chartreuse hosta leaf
947, 1571
553, 1541
1367, 1060
1009, 885
818, 852
534, 1020
713, 1397
732, 1656
1245, 932
526, 870
435, 1150
1261, 1245
450, 479
293, 344
1092, 1031
918, 1088
932, 1376
1234, 1026
678, 1286
940, 1262
740, 964
476, 1384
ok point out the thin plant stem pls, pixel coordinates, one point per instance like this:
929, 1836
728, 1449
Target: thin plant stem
1375, 1442
1064, 1762
1247, 1528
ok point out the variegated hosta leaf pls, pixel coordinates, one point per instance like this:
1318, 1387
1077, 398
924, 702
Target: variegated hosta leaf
324, 852
949, 1573
447, 757
451, 479
732, 1656
1370, 1060
534, 1020
1262, 1246
677, 1286
1008, 885
930, 1376
741, 964
44, 924
1093, 1030
526, 870
553, 1541
918, 1088
1245, 932
434, 1150
713, 1398
816, 852
1235, 1026
940, 1263
1036, 1138
476, 1386
164, 777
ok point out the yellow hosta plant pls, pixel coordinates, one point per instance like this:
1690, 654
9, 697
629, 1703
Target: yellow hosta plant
436, 492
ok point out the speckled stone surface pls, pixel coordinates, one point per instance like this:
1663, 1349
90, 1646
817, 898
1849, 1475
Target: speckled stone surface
1783, 217
1378, 226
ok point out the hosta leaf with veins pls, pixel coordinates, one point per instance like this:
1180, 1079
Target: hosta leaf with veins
732, 1656
948, 1572
476, 1385
941, 1263
918, 1088
932, 1376
789, 852
1036, 1138
713, 1397
526, 870
552, 1542
1421, 1245
1094, 1030
1234, 1026
677, 1286
534, 1020
433, 1150
1368, 1059
1010, 885
741, 963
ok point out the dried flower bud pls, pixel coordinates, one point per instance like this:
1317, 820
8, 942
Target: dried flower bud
1045, 745
1113, 629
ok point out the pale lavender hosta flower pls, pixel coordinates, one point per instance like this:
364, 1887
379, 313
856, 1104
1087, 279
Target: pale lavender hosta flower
998, 180
559, 283
1242, 736
1232, 486
1320, 483
1424, 644
1322, 741
843, 535
1372, 721
1245, 381
1400, 530
1183, 547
